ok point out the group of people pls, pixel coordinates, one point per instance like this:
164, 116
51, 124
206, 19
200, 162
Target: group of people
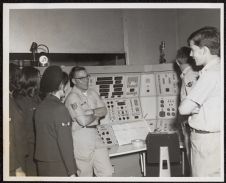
55, 135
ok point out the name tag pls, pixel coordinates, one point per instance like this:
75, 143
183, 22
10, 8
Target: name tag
66, 124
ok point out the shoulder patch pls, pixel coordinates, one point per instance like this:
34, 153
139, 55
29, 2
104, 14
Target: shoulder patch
189, 84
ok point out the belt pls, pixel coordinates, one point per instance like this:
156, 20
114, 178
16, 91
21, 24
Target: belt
199, 131
91, 126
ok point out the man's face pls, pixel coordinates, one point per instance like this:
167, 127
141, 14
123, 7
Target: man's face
198, 54
82, 79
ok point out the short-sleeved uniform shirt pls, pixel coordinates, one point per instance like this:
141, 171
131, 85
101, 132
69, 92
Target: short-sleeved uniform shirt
85, 140
206, 93
79, 102
53, 133
189, 78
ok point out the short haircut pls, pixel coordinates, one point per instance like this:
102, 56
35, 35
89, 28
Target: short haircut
183, 54
73, 71
207, 36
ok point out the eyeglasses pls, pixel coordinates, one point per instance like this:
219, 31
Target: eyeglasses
83, 78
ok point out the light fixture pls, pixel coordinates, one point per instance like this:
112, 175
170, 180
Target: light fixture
43, 59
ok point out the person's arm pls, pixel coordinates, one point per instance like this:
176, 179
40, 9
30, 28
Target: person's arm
64, 140
20, 135
81, 116
188, 107
20, 172
100, 110
199, 94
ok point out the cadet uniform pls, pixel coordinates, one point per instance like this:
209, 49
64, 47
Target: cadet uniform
205, 125
89, 150
54, 146
17, 137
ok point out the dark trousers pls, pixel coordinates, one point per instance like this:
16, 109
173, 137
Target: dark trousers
54, 169
30, 163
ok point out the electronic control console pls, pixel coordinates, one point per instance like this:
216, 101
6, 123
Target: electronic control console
137, 102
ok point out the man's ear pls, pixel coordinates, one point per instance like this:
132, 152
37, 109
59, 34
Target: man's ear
206, 50
73, 81
61, 87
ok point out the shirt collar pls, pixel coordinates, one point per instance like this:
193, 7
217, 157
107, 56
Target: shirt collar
52, 97
77, 90
209, 65
185, 71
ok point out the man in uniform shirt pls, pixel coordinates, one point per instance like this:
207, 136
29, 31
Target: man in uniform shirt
188, 77
203, 102
86, 108
54, 146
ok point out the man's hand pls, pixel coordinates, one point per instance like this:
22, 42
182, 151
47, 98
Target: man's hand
196, 110
20, 172
73, 175
89, 112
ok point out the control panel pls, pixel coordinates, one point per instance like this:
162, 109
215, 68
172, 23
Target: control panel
124, 109
111, 86
167, 107
147, 85
137, 103
107, 134
167, 83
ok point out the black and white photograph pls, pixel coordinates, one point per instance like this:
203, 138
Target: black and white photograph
113, 92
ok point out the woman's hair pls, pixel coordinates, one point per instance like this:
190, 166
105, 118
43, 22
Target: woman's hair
29, 82
14, 76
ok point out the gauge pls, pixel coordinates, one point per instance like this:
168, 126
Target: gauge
43, 60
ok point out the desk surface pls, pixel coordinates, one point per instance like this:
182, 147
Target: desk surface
125, 149
128, 149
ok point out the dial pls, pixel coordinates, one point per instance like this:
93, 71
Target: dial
43, 59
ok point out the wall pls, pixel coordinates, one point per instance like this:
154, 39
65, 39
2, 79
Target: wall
138, 32
144, 30
67, 31
190, 20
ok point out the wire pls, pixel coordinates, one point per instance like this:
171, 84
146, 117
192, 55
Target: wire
44, 46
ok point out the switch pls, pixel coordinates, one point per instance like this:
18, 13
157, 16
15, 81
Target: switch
162, 114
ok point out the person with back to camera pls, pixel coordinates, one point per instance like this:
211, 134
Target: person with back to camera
54, 146
86, 108
204, 104
27, 98
188, 77
17, 133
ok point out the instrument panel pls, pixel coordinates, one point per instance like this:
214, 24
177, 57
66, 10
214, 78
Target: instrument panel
136, 97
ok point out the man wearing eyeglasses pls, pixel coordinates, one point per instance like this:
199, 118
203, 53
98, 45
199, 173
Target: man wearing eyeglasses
86, 108
188, 77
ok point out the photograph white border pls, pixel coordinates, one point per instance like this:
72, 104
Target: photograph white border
8, 6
